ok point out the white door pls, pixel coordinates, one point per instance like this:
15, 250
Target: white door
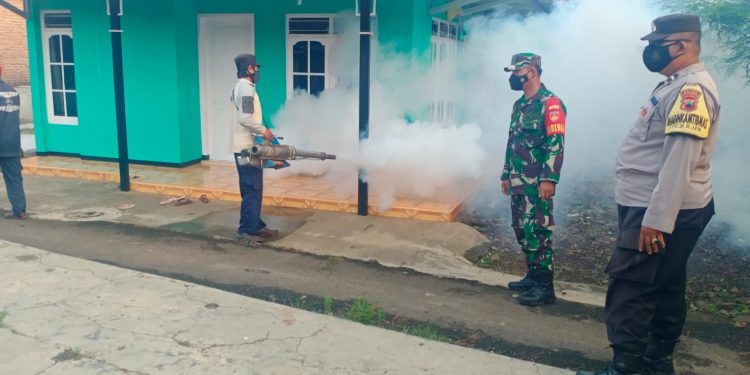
222, 38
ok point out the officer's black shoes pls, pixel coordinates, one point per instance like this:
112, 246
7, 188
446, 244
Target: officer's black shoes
623, 363
658, 358
524, 284
541, 293
656, 361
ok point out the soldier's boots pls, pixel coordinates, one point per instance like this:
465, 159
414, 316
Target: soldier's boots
623, 363
524, 284
542, 292
658, 358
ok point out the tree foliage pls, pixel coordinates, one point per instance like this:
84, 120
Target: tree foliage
729, 20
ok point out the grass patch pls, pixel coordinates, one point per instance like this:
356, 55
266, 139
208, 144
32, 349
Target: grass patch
298, 303
328, 305
3, 315
713, 308
729, 311
426, 332
364, 312
486, 261
738, 310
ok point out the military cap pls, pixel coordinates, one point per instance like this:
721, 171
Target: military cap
664, 26
520, 60
244, 61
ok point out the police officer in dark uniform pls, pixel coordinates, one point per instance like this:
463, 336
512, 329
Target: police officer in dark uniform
665, 200
10, 149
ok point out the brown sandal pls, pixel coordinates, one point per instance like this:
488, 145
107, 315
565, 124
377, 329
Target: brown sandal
170, 200
182, 201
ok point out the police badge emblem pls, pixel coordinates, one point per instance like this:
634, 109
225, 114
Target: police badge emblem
689, 100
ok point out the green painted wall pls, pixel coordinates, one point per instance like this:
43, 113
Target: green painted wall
161, 68
188, 85
421, 29
96, 104
152, 82
95, 133
36, 74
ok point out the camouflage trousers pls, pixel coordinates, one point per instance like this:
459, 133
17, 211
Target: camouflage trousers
533, 224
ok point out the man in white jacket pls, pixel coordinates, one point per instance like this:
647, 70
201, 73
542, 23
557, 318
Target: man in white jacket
247, 123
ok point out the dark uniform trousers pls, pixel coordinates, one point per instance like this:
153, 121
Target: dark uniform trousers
12, 174
251, 190
646, 294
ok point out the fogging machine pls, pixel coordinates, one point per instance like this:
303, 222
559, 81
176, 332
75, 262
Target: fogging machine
267, 155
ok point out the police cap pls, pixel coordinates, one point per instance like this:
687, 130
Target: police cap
664, 26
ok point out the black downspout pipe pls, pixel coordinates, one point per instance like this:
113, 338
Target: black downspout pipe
365, 35
122, 135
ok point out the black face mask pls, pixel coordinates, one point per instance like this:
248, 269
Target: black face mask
255, 76
517, 82
656, 56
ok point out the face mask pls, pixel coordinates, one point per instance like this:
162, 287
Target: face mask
517, 82
656, 57
255, 76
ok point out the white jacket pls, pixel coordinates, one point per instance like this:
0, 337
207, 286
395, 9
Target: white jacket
247, 116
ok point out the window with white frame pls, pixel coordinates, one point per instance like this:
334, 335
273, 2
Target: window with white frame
309, 42
59, 72
444, 48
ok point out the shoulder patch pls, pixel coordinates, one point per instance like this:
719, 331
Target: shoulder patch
248, 104
689, 114
554, 117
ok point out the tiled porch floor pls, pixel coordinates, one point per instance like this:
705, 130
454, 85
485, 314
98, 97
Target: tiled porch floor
219, 181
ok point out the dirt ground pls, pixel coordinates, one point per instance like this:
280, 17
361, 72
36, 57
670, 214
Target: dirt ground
565, 334
586, 219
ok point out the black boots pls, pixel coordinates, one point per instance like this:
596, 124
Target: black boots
542, 292
623, 363
524, 284
658, 357
657, 360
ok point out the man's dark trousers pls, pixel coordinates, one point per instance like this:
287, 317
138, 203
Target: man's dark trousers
251, 189
11, 168
646, 295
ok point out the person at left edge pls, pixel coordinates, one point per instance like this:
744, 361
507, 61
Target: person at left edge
246, 124
533, 161
10, 149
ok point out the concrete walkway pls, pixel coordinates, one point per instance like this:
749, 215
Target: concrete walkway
64, 315
431, 248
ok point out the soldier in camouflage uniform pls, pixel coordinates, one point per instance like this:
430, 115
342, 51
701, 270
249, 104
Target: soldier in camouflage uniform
533, 160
